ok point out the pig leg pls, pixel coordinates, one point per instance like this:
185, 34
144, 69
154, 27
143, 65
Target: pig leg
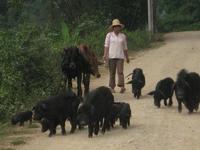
90, 127
179, 106
62, 124
170, 102
96, 131
86, 82
165, 102
79, 78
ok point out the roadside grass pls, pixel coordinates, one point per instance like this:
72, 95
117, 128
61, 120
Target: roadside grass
7, 149
11, 136
18, 141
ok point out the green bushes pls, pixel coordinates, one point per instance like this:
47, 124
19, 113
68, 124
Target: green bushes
93, 33
138, 39
178, 15
30, 58
177, 22
29, 68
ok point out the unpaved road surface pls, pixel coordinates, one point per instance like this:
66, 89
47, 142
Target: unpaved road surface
151, 128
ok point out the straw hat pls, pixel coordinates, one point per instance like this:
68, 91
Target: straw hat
116, 22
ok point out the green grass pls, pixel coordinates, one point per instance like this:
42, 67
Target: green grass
138, 40
8, 130
33, 126
18, 141
191, 27
19, 132
4, 130
158, 37
7, 149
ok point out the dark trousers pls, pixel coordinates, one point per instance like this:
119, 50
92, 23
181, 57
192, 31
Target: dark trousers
116, 65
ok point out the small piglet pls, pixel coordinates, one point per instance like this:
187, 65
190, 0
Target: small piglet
21, 117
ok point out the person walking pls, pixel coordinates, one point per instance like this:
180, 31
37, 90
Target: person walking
115, 51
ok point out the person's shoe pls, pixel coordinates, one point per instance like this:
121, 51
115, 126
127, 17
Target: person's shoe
122, 90
112, 90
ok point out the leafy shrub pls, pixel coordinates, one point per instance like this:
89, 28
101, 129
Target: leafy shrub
29, 67
30, 58
178, 15
138, 39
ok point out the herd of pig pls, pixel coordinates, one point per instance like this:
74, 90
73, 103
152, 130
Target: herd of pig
98, 109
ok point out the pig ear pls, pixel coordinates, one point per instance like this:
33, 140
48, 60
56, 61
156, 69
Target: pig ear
44, 106
151, 93
33, 108
80, 99
92, 109
80, 105
76, 102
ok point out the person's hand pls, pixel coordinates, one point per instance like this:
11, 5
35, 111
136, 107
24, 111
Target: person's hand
127, 60
105, 58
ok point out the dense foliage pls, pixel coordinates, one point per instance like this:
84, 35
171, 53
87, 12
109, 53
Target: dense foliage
178, 15
27, 71
33, 33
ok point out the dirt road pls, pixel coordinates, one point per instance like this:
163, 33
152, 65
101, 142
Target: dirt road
151, 128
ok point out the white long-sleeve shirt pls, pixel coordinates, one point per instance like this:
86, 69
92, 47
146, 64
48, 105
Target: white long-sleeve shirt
117, 44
